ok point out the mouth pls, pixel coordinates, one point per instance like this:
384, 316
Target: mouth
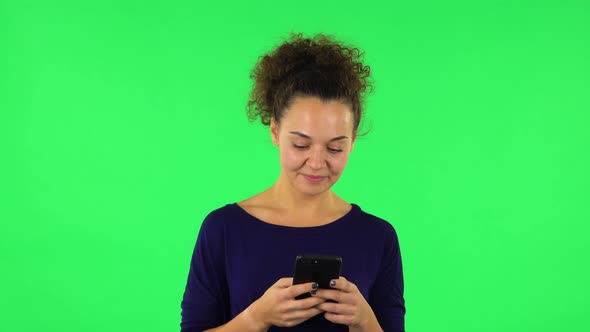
314, 179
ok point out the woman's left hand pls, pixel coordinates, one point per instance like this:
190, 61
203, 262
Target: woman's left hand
351, 308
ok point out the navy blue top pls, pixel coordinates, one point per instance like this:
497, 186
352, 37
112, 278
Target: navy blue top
237, 257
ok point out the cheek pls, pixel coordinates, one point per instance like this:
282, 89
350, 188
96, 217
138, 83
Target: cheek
338, 164
290, 159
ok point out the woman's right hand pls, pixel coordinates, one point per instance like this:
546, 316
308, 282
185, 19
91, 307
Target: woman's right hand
278, 306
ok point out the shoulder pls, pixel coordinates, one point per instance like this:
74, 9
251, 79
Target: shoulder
217, 219
223, 212
375, 224
372, 219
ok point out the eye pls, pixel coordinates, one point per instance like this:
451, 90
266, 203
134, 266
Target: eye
299, 147
334, 150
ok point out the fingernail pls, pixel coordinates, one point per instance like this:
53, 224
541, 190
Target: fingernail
315, 285
312, 292
332, 283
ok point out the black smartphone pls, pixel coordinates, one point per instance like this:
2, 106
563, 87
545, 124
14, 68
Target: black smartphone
316, 268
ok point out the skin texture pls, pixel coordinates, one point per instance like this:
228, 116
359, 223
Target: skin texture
318, 154
315, 138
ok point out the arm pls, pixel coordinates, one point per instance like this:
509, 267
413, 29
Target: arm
244, 322
387, 294
205, 302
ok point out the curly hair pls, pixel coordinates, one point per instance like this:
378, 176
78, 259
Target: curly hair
309, 67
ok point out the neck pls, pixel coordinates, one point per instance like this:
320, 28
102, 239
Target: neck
287, 198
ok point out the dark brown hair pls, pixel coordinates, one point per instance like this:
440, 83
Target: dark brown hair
310, 67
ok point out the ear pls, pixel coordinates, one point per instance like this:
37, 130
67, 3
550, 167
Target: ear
274, 132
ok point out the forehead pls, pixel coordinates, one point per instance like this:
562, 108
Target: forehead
315, 116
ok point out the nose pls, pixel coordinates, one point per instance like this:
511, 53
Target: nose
316, 159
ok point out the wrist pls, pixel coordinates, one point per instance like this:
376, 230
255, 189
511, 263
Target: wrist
370, 324
371, 327
253, 319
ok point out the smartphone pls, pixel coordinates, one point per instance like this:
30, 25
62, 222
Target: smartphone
316, 268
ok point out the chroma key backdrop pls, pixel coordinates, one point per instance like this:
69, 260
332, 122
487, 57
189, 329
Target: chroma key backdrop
123, 123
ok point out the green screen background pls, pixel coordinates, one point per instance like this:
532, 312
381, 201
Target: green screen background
123, 124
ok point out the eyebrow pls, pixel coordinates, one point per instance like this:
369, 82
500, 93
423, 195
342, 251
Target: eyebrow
338, 138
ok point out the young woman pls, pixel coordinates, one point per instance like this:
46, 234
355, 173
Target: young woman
309, 91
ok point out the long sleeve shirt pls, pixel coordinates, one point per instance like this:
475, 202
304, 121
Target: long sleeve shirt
237, 257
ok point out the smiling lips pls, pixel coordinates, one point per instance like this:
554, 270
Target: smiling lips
314, 179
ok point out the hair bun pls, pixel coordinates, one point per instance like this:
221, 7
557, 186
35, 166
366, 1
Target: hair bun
317, 66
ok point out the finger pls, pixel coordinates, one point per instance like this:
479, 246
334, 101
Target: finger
339, 319
284, 282
337, 308
335, 295
299, 317
308, 313
306, 303
296, 290
343, 285
304, 314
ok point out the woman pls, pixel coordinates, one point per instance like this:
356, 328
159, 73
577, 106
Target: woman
308, 91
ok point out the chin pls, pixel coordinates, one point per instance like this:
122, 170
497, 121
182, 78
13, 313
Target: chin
312, 190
